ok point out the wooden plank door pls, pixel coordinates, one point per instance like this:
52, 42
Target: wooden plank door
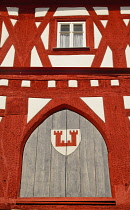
48, 171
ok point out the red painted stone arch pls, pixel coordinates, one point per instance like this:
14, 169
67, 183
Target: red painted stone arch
74, 104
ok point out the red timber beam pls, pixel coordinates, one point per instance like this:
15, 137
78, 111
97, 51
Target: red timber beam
63, 71
62, 2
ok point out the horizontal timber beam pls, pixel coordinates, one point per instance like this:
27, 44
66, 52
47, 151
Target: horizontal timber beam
60, 2
63, 71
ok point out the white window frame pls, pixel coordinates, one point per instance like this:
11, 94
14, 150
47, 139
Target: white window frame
71, 33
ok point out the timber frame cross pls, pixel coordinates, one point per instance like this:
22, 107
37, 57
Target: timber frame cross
32, 39
24, 36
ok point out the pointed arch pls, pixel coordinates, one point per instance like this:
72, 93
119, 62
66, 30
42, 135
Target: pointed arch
65, 170
76, 105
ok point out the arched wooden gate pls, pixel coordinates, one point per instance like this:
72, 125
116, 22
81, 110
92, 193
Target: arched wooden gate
65, 156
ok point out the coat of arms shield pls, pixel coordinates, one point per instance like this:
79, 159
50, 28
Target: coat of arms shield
65, 141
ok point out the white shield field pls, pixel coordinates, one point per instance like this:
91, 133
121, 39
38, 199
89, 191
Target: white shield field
65, 141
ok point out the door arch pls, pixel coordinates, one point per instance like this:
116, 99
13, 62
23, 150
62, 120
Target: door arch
49, 172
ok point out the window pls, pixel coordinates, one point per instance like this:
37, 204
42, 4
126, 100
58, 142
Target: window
71, 35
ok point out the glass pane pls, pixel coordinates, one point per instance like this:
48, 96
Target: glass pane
78, 40
64, 40
65, 27
78, 27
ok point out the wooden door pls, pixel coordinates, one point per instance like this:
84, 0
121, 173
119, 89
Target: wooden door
46, 172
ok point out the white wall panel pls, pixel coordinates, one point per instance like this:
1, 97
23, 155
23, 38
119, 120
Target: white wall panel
114, 82
125, 10
96, 104
101, 10
2, 102
9, 58
26, 83
35, 59
39, 12
72, 83
45, 36
126, 21
97, 36
71, 60
70, 11
94, 82
4, 35
37, 24
51, 83
108, 59
104, 22
13, 10
4, 82
126, 102
35, 105
127, 52
13, 21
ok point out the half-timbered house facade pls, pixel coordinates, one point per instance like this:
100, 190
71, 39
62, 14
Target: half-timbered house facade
64, 105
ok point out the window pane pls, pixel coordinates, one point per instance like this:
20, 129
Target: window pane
78, 27
78, 40
64, 40
65, 27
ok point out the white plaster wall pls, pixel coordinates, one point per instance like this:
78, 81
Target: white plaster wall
96, 104
72, 83
125, 10
9, 58
114, 82
51, 83
97, 36
45, 36
35, 59
126, 102
4, 35
39, 12
13, 21
108, 58
126, 21
2, 102
101, 10
35, 105
26, 83
12, 10
37, 24
94, 83
71, 11
71, 60
4, 82
127, 52
104, 22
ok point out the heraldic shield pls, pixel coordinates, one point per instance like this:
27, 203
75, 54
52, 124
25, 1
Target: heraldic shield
65, 141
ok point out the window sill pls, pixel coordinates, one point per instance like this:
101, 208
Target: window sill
71, 49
